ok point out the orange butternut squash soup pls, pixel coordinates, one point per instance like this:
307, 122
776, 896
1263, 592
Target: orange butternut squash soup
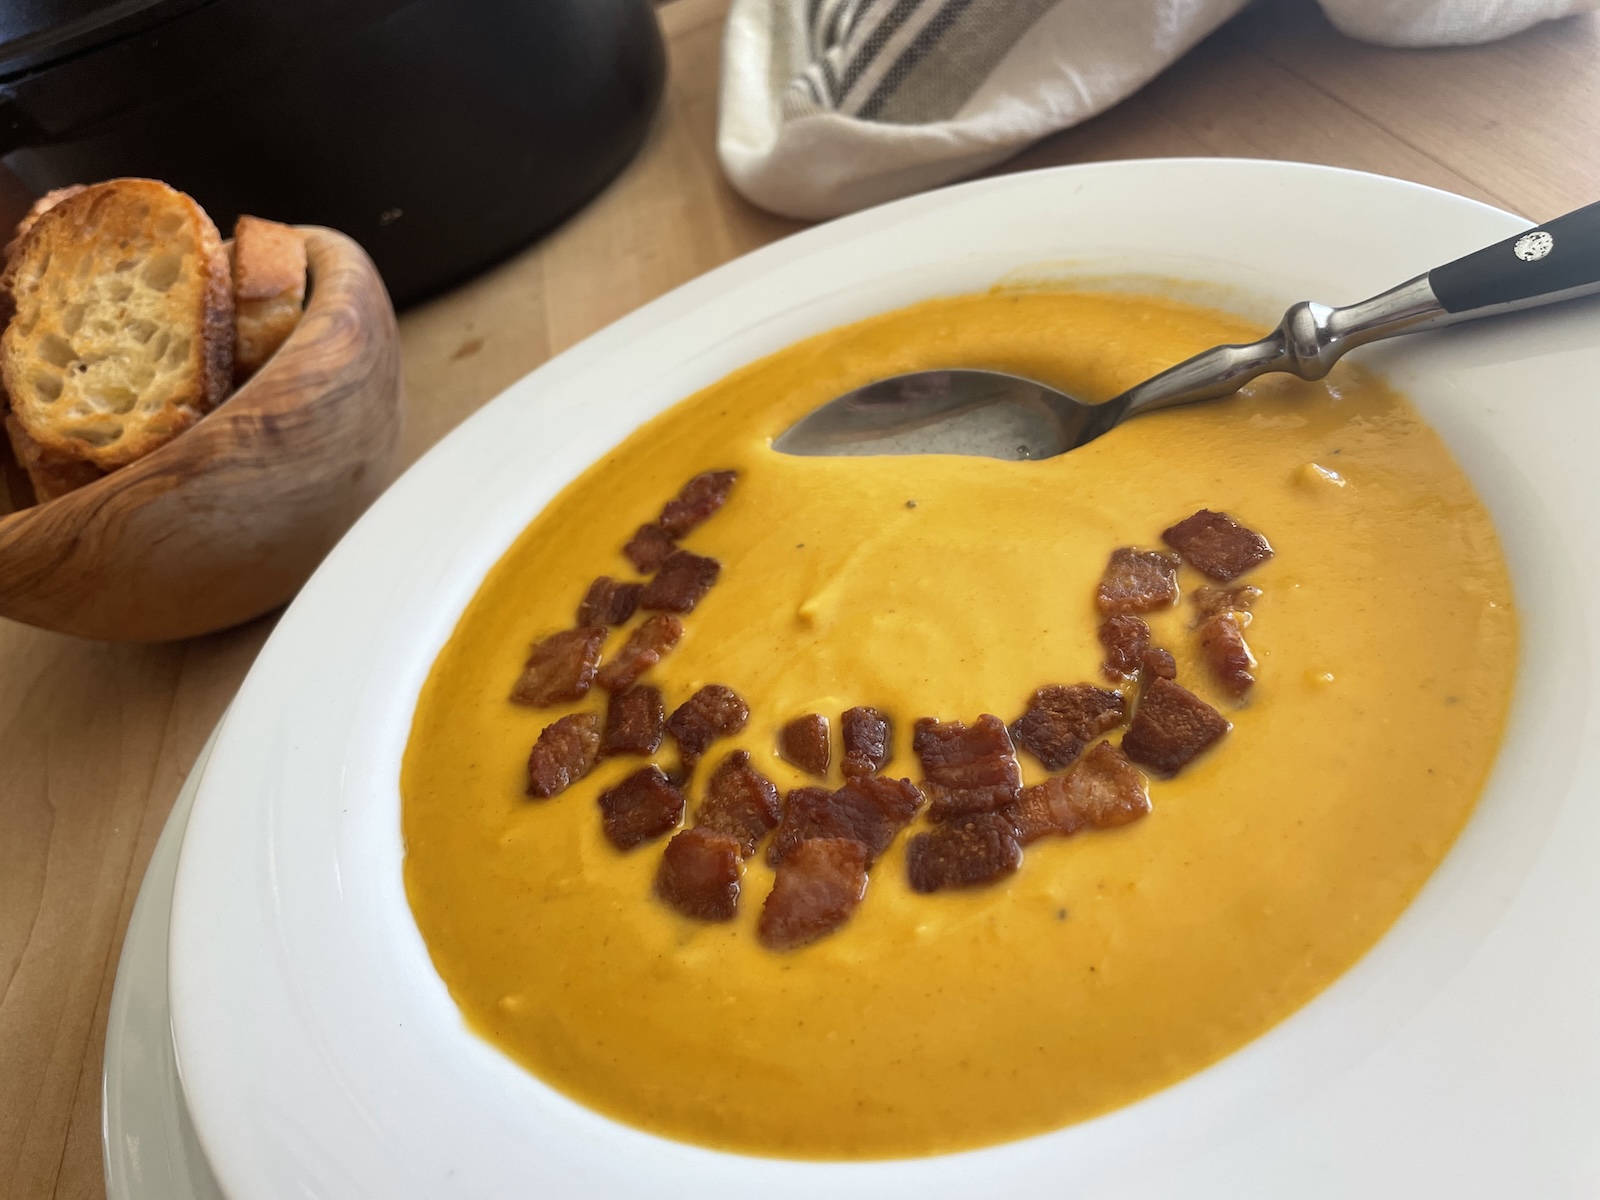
1113, 962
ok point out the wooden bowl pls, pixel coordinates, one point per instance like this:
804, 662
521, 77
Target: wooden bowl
226, 521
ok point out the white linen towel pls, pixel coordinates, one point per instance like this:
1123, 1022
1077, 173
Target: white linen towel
832, 105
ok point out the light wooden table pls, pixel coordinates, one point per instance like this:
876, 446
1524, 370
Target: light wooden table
95, 740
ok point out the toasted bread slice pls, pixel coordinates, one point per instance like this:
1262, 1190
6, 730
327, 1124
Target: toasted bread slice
123, 334
50, 474
269, 290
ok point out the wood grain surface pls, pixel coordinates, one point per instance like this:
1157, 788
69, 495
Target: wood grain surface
227, 521
95, 739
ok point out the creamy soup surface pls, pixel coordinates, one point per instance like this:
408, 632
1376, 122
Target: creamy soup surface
1114, 962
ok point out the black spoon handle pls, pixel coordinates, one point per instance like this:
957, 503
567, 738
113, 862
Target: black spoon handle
1543, 263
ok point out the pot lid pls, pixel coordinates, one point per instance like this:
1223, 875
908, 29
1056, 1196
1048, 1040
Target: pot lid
36, 32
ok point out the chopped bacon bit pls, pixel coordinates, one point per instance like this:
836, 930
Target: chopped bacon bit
1106, 790
1211, 601
1125, 638
974, 849
646, 646
1061, 721
680, 583
1138, 581
966, 770
816, 890
1159, 664
1041, 810
869, 810
561, 668
1102, 790
699, 875
649, 547
634, 722
804, 742
609, 602
712, 712
808, 812
700, 498
563, 754
866, 734
1171, 728
740, 802
643, 806
1215, 544
1223, 646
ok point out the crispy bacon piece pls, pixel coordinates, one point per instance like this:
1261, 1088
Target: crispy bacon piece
1138, 581
808, 812
1125, 638
974, 849
609, 602
649, 547
681, 583
699, 874
1041, 810
700, 498
740, 802
1158, 664
866, 733
712, 712
652, 641
564, 754
634, 722
1061, 721
1223, 646
1102, 790
1106, 790
804, 742
966, 770
1216, 545
561, 668
1211, 601
1171, 728
869, 810
642, 807
816, 890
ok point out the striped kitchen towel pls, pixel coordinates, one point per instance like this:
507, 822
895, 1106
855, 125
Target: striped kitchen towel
833, 105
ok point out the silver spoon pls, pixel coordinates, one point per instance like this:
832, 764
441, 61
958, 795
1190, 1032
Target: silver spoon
1006, 416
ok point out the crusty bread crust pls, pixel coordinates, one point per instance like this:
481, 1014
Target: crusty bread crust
269, 290
123, 333
40, 206
50, 474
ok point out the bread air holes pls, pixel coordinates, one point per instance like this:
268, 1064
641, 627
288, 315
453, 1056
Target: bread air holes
56, 350
178, 352
161, 272
113, 398
48, 386
168, 224
72, 319
98, 433
141, 331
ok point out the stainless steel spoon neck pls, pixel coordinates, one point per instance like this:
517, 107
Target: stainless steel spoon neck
1309, 340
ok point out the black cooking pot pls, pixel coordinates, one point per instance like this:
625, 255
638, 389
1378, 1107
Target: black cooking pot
441, 134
